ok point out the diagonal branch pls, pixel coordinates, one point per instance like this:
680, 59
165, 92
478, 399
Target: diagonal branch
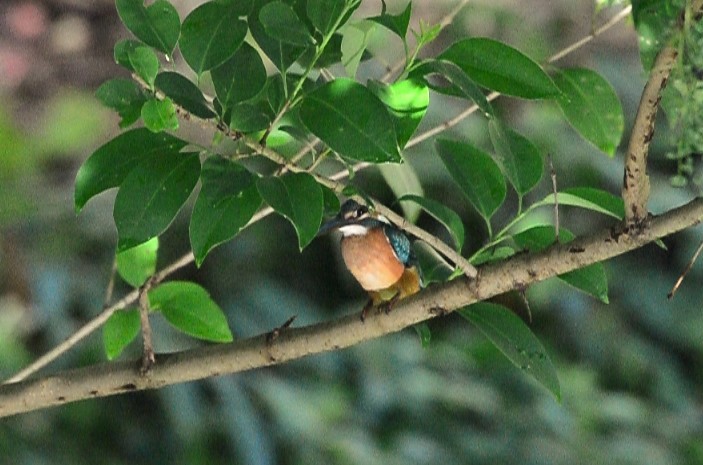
121, 377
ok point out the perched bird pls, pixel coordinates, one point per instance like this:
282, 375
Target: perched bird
377, 253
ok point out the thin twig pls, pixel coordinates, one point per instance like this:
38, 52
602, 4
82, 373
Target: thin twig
671, 293
553, 175
148, 357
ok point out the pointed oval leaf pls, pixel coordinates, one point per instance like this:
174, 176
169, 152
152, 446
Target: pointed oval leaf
282, 23
282, 54
498, 66
476, 173
122, 50
119, 331
151, 196
182, 91
211, 34
592, 107
407, 101
138, 264
590, 199
125, 97
159, 115
239, 78
403, 181
461, 85
493, 254
250, 117
352, 121
517, 342
145, 63
443, 214
189, 308
227, 200
110, 164
157, 25
297, 197
520, 159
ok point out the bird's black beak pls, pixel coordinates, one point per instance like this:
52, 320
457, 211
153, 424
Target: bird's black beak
331, 225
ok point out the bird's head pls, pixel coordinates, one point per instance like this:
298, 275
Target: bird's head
353, 219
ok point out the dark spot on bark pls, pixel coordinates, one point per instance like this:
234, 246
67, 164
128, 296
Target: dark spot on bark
127, 387
532, 273
438, 311
61, 399
93, 392
575, 249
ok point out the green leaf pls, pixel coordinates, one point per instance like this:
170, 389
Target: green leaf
144, 62
119, 331
354, 42
476, 173
108, 166
443, 214
352, 121
282, 24
407, 101
122, 50
297, 197
396, 23
331, 201
211, 34
250, 117
590, 279
239, 78
460, 84
157, 25
500, 67
138, 264
324, 14
186, 94
588, 198
151, 196
282, 54
189, 308
517, 342
493, 254
591, 107
424, 333
125, 97
403, 180
519, 158
159, 115
226, 202
655, 21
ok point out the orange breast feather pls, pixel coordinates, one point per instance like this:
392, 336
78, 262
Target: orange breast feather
371, 260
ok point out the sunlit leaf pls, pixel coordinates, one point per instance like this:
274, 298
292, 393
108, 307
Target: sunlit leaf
144, 62
512, 337
189, 308
407, 101
159, 115
138, 264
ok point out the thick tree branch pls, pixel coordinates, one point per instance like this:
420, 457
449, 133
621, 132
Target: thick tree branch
116, 378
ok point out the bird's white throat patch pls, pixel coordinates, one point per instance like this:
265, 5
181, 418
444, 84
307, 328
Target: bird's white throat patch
353, 230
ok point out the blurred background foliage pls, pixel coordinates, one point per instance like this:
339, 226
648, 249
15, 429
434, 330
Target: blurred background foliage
631, 371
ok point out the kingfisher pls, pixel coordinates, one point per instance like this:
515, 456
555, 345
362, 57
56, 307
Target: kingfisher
377, 253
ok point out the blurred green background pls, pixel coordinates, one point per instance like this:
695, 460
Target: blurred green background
631, 371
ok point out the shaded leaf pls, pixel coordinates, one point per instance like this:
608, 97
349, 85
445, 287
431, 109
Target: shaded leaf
354, 42
189, 308
589, 198
591, 107
157, 25
517, 342
494, 65
123, 96
352, 121
655, 21
151, 196
282, 54
324, 14
519, 158
443, 214
282, 23
407, 101
398, 24
239, 78
186, 94
138, 264
122, 50
476, 173
108, 166
403, 180
159, 115
119, 331
493, 254
226, 202
297, 197
424, 333
250, 117
211, 34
